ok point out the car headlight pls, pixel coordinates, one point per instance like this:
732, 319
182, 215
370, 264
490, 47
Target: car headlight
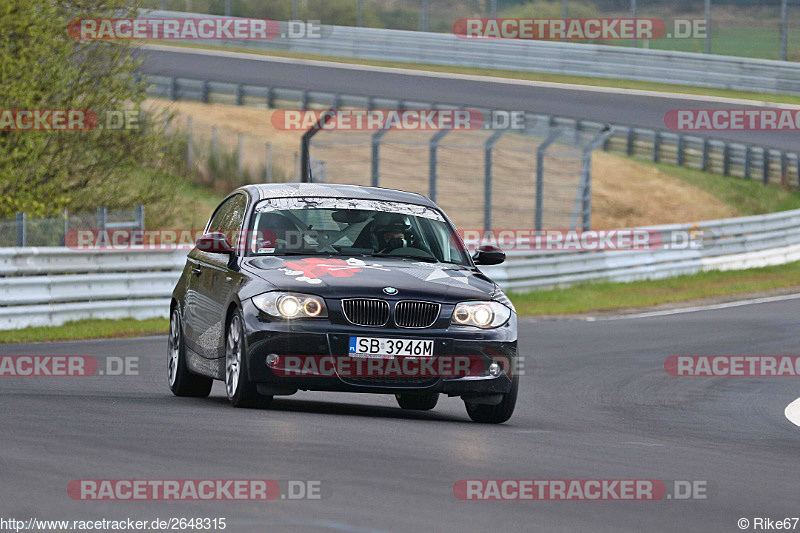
291, 305
481, 314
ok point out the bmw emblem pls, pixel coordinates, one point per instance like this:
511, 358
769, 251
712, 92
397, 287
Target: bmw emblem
391, 291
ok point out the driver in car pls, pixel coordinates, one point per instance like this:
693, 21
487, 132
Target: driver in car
392, 237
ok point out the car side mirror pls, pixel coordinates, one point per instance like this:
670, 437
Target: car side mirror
489, 255
214, 242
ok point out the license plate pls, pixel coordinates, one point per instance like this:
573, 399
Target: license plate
378, 347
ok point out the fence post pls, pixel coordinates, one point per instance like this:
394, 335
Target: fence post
433, 145
139, 210
189, 144
101, 218
583, 201
704, 160
487, 178
765, 178
270, 98
747, 161
726, 159
375, 164
797, 168
173, 88
540, 177
304, 100
240, 156
629, 148
204, 91
240, 94
212, 162
66, 226
268, 168
783, 165
681, 149
21, 229
656, 146
305, 148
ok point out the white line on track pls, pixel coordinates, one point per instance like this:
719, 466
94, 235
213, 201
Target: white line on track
792, 412
711, 307
467, 77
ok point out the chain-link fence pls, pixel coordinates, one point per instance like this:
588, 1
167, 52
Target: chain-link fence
736, 27
24, 230
219, 156
483, 179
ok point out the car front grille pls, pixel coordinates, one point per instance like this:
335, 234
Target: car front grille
366, 311
414, 314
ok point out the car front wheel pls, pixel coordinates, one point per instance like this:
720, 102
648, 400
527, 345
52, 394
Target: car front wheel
181, 381
495, 414
241, 392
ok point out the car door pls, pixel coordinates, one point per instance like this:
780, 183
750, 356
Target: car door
215, 280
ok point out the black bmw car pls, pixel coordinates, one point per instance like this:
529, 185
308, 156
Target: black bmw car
341, 288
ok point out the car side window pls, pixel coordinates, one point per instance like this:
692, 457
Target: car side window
230, 215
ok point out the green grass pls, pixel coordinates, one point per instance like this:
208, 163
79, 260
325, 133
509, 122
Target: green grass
604, 296
748, 197
757, 42
87, 329
519, 75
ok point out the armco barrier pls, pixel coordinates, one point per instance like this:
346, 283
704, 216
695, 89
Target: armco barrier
617, 62
50, 286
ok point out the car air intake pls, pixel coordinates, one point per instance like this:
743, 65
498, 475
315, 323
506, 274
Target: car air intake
366, 311
412, 314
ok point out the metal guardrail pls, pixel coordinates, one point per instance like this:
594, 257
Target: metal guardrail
719, 156
50, 286
602, 61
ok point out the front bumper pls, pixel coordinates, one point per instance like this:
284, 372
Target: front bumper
266, 336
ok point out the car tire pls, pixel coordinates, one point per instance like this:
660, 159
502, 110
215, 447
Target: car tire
417, 402
241, 391
495, 414
181, 381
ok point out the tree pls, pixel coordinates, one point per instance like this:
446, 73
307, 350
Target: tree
43, 68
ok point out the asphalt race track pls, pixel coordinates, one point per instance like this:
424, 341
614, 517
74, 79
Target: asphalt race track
609, 105
596, 403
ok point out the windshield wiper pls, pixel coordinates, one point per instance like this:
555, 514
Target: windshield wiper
298, 252
401, 256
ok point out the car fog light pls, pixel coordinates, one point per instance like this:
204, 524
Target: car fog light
273, 360
495, 369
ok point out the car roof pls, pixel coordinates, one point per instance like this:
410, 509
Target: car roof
326, 190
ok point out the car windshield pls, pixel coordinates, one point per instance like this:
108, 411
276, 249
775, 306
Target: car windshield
350, 227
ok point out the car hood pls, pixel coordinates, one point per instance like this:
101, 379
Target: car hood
368, 277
